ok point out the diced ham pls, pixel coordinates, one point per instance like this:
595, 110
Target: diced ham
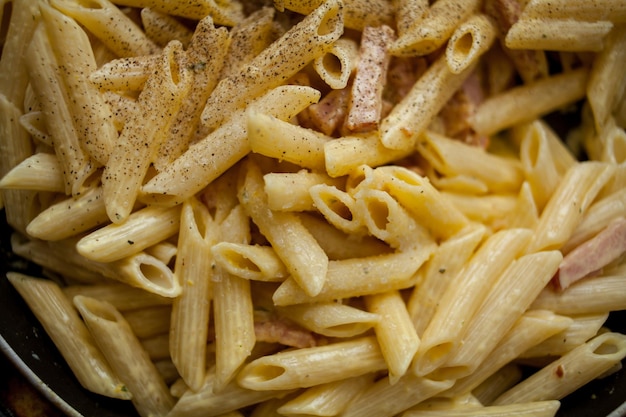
366, 105
330, 112
593, 255
271, 328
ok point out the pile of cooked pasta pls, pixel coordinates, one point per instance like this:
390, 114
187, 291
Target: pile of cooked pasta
321, 207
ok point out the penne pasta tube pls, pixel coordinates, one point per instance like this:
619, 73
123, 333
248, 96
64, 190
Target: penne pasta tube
303, 257
328, 399
120, 296
149, 322
344, 155
525, 214
469, 41
252, 262
69, 334
580, 10
530, 409
124, 74
434, 28
331, 319
33, 122
48, 85
570, 371
307, 367
210, 157
233, 305
270, 136
142, 229
359, 276
530, 101
70, 217
382, 399
38, 172
204, 58
580, 331
408, 12
163, 28
142, 135
395, 332
356, 14
117, 342
604, 95
278, 62
450, 157
340, 245
143, 271
401, 128
190, 310
506, 301
460, 302
110, 25
531, 328
337, 65
290, 191
570, 200
587, 296
92, 117
488, 209
439, 272
503, 379
223, 13
558, 35
338, 208
387, 220
207, 403
422, 199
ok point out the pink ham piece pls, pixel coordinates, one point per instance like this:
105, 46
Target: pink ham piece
593, 255
366, 103
271, 328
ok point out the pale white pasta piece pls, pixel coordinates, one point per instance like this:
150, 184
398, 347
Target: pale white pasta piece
532, 328
530, 409
69, 334
120, 296
558, 35
224, 13
395, 332
149, 322
337, 65
142, 229
289, 191
590, 295
121, 348
124, 74
270, 136
525, 214
580, 10
570, 371
253, 262
434, 28
210, 157
452, 157
139, 141
40, 172
527, 102
327, 399
469, 41
355, 277
408, 12
299, 251
570, 200
163, 28
205, 402
460, 302
110, 25
307, 367
581, 330
506, 301
276, 63
503, 379
383, 399
70, 217
190, 311
331, 319
356, 14
338, 208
